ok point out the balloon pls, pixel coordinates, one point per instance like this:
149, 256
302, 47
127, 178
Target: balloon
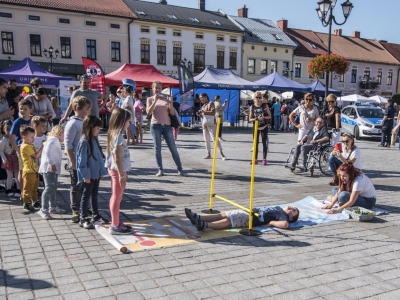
24, 94
26, 89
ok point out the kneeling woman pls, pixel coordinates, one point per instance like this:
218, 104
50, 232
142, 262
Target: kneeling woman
355, 189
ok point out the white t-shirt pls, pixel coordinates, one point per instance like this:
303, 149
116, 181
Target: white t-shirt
304, 113
125, 159
364, 185
38, 142
355, 154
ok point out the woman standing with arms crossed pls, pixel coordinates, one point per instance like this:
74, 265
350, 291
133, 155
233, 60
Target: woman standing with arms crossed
208, 130
308, 114
219, 112
160, 107
260, 112
332, 116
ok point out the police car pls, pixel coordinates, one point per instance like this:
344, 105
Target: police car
362, 120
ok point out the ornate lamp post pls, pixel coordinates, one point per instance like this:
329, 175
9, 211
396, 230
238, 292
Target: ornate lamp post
286, 73
50, 55
325, 14
187, 64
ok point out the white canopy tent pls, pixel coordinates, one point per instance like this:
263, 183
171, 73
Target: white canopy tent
379, 99
350, 99
248, 95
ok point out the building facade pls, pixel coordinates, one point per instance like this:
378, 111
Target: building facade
166, 35
74, 29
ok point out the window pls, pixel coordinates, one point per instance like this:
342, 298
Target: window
233, 39
65, 43
91, 49
35, 45
277, 37
63, 21
7, 42
176, 32
177, 55
115, 51
251, 66
172, 17
90, 23
220, 59
367, 73
285, 65
161, 54
390, 78
141, 12
199, 60
161, 31
353, 76
215, 22
194, 19
5, 15
144, 54
297, 70
199, 35
341, 78
322, 76
34, 18
220, 37
115, 26
379, 77
274, 65
145, 29
232, 60
312, 45
264, 66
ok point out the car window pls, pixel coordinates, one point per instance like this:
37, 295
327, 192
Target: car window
352, 112
370, 112
345, 111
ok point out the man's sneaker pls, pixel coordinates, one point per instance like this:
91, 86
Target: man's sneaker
37, 204
119, 230
44, 214
191, 215
86, 223
10, 193
303, 168
75, 216
290, 166
17, 193
29, 207
200, 225
99, 218
57, 210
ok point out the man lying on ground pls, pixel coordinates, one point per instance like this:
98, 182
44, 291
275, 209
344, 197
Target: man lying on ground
268, 217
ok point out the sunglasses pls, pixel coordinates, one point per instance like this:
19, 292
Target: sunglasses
258, 97
85, 77
34, 85
310, 99
345, 141
331, 101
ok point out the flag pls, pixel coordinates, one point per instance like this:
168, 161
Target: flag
186, 82
96, 74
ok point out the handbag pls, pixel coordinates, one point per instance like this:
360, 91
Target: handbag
208, 120
174, 121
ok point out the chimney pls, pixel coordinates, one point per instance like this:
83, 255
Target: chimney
356, 34
337, 32
163, 2
383, 41
282, 24
202, 5
242, 12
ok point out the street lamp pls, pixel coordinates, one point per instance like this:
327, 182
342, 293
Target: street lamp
325, 14
187, 64
50, 55
286, 73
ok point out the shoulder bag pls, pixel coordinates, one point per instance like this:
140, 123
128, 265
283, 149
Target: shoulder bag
208, 120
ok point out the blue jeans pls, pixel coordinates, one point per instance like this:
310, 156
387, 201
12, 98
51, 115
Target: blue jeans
344, 197
277, 122
90, 191
49, 193
166, 131
334, 163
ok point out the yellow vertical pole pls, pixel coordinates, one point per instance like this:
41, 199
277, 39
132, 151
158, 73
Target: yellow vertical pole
253, 161
214, 162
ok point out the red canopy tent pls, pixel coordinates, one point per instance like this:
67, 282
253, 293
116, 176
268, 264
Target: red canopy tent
144, 75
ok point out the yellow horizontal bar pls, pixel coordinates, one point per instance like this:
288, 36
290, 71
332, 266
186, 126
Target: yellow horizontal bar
235, 204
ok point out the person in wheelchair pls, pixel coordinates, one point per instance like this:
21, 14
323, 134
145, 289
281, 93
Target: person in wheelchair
316, 136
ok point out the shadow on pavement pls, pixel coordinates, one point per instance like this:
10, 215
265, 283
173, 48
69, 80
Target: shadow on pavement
24, 283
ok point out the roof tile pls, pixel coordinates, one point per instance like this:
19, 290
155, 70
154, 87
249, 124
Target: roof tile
303, 38
393, 49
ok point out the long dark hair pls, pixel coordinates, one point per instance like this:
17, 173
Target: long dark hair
352, 172
89, 123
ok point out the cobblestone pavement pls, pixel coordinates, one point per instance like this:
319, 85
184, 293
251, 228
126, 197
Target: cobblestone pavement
339, 260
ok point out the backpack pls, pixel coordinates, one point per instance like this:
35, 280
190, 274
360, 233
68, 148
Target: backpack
283, 110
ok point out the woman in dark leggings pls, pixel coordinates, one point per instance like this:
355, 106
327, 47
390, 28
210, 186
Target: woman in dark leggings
260, 112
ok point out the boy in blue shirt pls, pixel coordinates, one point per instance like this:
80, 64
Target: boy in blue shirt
25, 109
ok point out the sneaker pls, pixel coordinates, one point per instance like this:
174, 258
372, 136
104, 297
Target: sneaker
75, 216
44, 214
86, 223
255, 162
191, 215
17, 193
181, 173
90, 212
119, 230
207, 157
99, 218
290, 166
159, 174
303, 168
122, 226
223, 157
264, 163
10, 193
29, 207
57, 210
37, 204
200, 225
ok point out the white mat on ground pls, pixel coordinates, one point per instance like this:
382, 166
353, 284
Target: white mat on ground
377, 210
310, 214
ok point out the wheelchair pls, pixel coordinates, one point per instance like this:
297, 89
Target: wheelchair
317, 157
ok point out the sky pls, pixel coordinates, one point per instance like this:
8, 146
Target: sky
375, 19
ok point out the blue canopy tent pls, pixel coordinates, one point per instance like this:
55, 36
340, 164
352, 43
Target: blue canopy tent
275, 81
227, 85
26, 70
318, 89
